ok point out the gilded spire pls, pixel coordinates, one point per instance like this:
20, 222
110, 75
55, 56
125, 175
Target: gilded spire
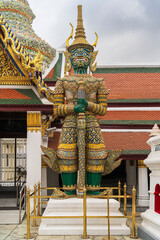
80, 38
80, 33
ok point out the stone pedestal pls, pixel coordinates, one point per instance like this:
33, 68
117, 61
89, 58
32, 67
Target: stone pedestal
150, 227
74, 226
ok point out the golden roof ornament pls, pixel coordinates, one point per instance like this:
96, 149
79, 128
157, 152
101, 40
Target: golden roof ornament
80, 38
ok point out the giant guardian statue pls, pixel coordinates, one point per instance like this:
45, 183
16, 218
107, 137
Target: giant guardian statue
81, 157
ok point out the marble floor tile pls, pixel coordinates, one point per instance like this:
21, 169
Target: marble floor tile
18, 232
51, 238
129, 238
5, 230
77, 238
106, 238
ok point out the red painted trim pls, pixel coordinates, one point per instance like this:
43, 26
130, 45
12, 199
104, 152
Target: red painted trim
118, 126
126, 126
135, 157
26, 107
119, 104
50, 83
157, 198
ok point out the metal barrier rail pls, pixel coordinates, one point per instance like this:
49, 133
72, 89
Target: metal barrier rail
22, 201
37, 197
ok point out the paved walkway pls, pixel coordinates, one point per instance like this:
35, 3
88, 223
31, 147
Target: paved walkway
18, 232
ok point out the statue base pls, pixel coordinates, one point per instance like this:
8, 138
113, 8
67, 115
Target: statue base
74, 226
150, 227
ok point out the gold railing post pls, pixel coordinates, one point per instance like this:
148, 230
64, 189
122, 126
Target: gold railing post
133, 235
119, 194
84, 213
38, 199
35, 200
28, 214
125, 199
109, 235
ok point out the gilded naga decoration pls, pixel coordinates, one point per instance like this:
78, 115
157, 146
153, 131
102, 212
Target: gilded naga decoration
80, 97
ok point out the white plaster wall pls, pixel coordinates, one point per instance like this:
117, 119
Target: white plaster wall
143, 197
33, 158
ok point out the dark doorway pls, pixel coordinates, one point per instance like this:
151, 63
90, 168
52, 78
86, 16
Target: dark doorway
112, 179
13, 133
13, 124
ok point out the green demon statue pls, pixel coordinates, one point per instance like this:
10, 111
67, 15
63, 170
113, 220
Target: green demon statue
80, 97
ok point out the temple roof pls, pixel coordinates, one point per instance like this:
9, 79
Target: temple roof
132, 143
132, 84
55, 71
142, 116
18, 96
126, 140
14, 59
21, 100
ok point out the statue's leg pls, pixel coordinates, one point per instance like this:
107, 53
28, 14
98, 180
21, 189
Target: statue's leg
96, 154
67, 154
93, 181
69, 182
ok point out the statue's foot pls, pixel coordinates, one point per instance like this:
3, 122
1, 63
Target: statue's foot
58, 194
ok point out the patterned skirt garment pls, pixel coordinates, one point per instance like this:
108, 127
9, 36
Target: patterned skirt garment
68, 150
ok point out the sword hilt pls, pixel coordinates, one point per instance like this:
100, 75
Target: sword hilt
81, 90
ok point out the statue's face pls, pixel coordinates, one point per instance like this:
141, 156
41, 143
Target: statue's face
80, 58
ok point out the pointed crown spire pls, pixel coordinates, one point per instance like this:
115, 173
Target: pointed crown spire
155, 131
80, 38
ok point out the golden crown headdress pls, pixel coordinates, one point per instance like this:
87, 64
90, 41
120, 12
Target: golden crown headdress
80, 38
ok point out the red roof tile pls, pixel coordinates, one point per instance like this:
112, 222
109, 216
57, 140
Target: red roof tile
131, 115
132, 85
126, 140
12, 94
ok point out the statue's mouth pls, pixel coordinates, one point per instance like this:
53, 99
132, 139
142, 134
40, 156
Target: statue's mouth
80, 59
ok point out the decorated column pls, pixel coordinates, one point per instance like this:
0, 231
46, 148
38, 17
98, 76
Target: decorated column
143, 197
33, 148
150, 227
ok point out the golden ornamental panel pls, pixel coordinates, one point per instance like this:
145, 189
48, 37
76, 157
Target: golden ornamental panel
141, 164
34, 121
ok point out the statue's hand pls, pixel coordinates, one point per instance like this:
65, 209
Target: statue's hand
82, 101
79, 108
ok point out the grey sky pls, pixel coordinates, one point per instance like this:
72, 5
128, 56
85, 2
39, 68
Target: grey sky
129, 30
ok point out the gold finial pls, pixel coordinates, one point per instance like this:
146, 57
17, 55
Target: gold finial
80, 38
